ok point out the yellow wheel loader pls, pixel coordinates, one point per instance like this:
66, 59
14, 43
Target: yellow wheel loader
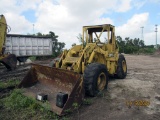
84, 69
9, 60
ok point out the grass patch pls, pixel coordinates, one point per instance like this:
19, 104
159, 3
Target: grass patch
87, 101
8, 83
33, 58
17, 106
17, 101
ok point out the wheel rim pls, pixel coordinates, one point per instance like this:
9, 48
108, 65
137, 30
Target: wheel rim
101, 83
124, 66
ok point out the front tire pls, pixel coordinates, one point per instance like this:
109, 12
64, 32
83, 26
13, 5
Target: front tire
95, 78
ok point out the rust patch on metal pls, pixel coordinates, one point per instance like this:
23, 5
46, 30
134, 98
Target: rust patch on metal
51, 81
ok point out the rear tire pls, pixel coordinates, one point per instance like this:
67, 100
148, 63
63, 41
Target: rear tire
95, 78
122, 67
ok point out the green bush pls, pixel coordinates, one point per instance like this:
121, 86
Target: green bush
16, 103
32, 58
8, 83
147, 50
87, 101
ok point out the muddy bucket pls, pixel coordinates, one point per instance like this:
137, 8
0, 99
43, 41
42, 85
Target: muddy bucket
61, 88
9, 61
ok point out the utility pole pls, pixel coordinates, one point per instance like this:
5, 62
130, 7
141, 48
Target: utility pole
142, 38
33, 29
156, 30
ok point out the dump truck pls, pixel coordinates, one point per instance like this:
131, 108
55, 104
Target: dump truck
24, 46
82, 70
18, 47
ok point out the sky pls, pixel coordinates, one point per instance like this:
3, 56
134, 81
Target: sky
66, 17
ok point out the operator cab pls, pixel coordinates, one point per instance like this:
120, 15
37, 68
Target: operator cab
102, 35
95, 33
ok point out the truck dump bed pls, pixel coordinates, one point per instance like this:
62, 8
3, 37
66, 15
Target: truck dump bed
28, 45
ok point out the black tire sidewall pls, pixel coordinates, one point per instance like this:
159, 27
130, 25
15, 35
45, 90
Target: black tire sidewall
91, 75
120, 72
95, 79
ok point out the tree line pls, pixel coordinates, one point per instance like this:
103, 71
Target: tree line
57, 46
134, 46
127, 45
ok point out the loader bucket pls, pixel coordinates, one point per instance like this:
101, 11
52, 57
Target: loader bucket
9, 61
54, 84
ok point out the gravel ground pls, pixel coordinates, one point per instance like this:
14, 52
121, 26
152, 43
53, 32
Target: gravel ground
123, 99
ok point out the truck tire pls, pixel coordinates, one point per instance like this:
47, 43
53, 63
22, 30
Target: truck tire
121, 68
52, 63
22, 59
95, 78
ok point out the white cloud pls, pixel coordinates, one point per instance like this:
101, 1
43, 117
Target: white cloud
66, 18
13, 9
18, 24
124, 6
50, 16
103, 21
138, 3
150, 38
17, 6
132, 27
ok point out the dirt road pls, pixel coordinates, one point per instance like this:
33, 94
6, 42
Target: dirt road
123, 98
